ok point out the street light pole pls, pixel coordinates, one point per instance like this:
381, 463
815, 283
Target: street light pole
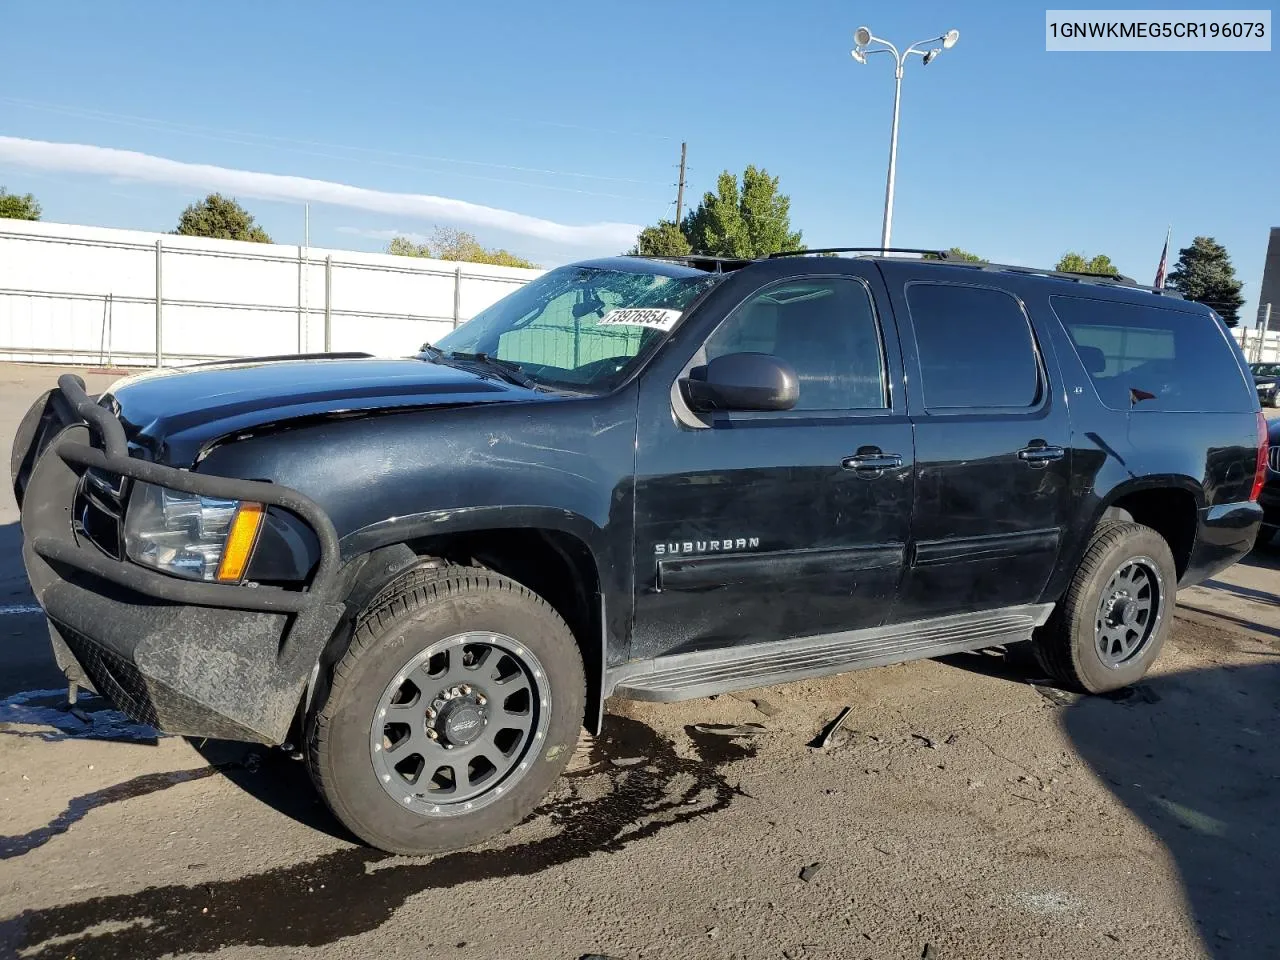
887, 229
863, 38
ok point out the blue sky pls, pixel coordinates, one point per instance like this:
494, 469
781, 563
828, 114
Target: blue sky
573, 113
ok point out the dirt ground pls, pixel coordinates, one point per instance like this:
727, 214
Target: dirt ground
964, 810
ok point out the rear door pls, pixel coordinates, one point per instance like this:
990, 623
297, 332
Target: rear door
759, 526
993, 445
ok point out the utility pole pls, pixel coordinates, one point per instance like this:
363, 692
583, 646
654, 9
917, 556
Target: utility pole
680, 187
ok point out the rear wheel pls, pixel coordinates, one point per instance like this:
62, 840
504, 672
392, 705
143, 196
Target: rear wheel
1112, 623
1265, 536
456, 707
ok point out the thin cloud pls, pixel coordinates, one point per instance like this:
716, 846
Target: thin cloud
384, 234
128, 164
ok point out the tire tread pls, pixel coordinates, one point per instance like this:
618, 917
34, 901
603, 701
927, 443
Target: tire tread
1055, 650
420, 588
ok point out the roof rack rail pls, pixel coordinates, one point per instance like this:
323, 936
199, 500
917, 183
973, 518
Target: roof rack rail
940, 254
1109, 276
1102, 279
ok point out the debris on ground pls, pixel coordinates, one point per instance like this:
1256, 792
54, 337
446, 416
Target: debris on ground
928, 953
626, 761
823, 740
1059, 698
730, 730
1138, 693
808, 873
927, 741
760, 703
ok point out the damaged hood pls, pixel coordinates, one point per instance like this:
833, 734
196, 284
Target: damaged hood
173, 413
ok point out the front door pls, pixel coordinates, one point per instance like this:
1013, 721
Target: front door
755, 526
993, 451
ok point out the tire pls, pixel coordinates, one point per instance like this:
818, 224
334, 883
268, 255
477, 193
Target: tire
1069, 647
433, 617
1264, 538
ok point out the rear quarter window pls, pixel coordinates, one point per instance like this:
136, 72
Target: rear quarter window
1182, 358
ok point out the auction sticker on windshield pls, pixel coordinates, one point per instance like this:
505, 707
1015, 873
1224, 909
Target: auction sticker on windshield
653, 317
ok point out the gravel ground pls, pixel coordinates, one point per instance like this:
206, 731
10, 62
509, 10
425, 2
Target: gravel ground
962, 811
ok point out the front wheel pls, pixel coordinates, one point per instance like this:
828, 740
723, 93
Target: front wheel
1113, 620
454, 710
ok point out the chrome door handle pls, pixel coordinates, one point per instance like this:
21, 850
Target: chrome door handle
1041, 454
869, 462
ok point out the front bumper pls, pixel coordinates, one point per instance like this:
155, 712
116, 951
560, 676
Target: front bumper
201, 659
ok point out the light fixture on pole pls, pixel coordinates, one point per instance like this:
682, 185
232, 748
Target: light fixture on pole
863, 38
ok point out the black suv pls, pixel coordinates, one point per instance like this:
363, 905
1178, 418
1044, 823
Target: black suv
642, 478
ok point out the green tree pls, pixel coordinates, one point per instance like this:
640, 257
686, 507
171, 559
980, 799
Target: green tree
748, 220
18, 207
448, 243
220, 217
956, 253
1204, 273
664, 239
1073, 262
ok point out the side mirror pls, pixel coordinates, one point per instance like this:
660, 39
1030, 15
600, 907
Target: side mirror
742, 381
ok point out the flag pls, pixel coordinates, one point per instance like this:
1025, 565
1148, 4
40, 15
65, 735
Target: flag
1164, 256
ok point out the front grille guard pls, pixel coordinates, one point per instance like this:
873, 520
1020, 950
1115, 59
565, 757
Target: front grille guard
114, 458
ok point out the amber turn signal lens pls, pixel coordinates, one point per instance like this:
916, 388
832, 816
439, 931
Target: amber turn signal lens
240, 542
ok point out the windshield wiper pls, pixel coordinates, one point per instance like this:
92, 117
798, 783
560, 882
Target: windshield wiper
506, 369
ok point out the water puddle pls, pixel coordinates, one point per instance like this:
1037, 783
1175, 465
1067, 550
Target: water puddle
91, 719
602, 808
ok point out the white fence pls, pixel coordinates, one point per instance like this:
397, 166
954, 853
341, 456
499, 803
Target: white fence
1258, 347
90, 295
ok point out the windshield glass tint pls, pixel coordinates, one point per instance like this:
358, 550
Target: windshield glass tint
564, 327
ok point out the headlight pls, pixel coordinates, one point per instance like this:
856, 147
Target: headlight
199, 538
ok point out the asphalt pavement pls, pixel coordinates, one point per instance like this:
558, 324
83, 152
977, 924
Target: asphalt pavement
965, 808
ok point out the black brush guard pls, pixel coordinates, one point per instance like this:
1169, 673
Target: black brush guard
206, 659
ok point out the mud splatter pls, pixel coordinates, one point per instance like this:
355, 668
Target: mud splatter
355, 890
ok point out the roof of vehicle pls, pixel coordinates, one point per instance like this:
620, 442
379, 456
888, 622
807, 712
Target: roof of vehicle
664, 266
695, 263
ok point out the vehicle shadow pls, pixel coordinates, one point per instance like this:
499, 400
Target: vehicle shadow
1202, 770
1245, 622
1247, 606
274, 778
1195, 756
1263, 558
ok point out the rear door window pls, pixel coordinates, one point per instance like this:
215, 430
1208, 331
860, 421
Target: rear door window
1152, 357
976, 348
